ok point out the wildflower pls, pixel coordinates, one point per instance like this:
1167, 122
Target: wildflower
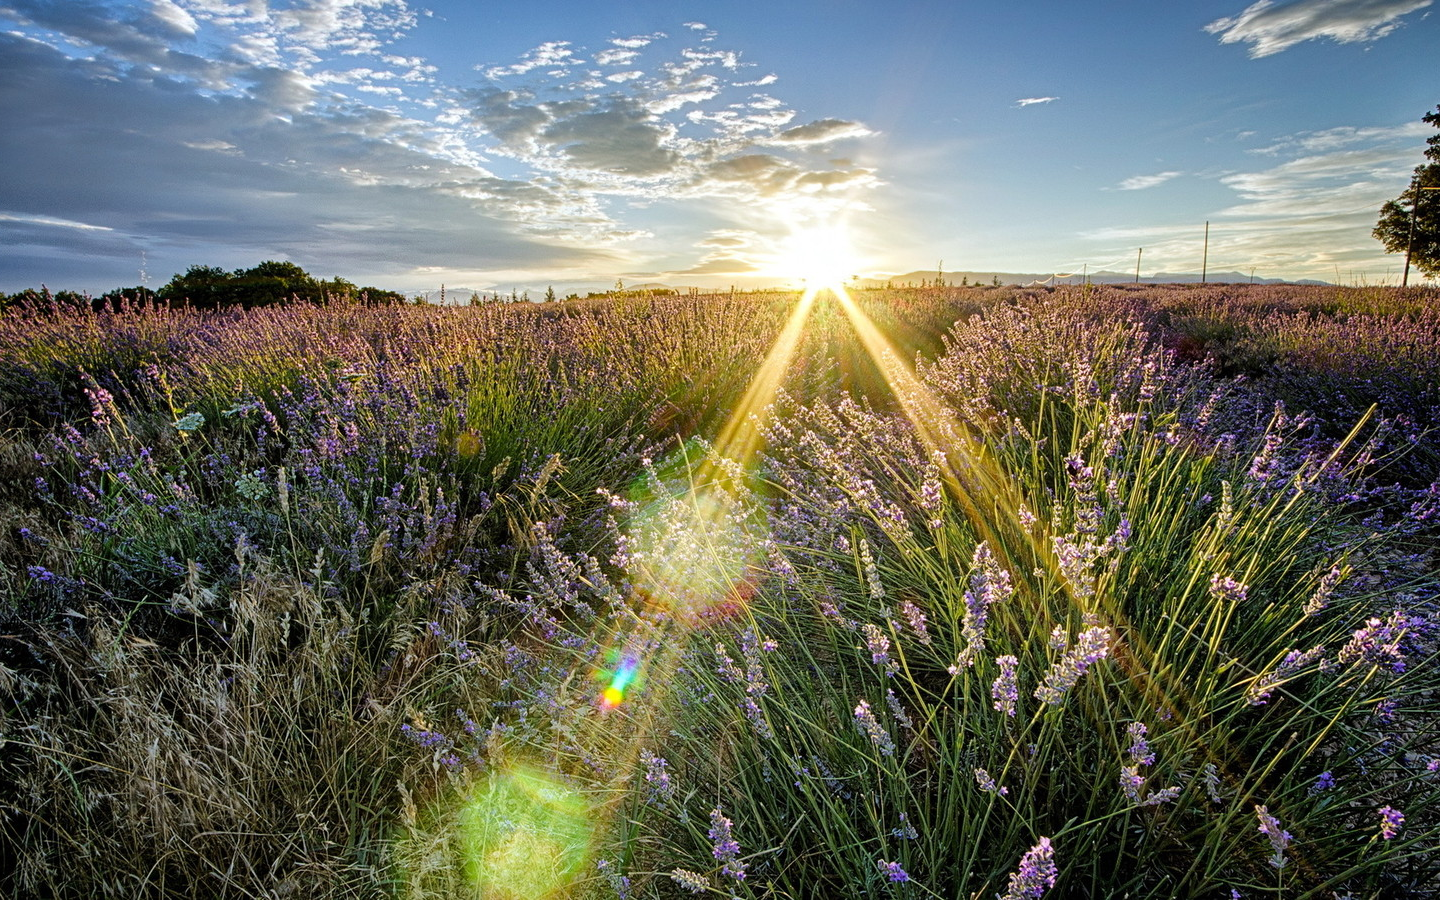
1379, 642
1091, 646
1210, 777
1139, 750
693, 882
892, 871
989, 584
724, 846
879, 646
1131, 781
1385, 710
988, 784
869, 726
1036, 875
915, 618
1323, 782
620, 883
898, 710
1321, 598
872, 572
251, 487
1390, 821
1264, 685
1224, 588
1005, 690
906, 831
658, 786
1279, 839
1027, 518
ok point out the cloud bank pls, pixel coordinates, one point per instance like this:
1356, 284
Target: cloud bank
219, 132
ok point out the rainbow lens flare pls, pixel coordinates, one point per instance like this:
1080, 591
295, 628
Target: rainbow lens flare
620, 682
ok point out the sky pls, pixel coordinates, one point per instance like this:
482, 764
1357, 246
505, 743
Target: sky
490, 146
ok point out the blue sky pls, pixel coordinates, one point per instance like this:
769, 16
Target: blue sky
485, 145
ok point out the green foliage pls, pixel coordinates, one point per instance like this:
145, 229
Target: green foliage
271, 282
1411, 222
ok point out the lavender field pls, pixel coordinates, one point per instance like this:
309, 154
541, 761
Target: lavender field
958, 592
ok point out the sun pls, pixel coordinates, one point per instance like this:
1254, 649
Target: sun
821, 256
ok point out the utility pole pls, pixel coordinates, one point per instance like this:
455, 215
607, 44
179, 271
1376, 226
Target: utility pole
1205, 256
1410, 240
1137, 264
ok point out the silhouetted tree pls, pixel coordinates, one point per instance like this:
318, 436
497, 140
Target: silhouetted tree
1411, 222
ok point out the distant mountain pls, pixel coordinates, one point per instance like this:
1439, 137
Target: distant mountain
1100, 277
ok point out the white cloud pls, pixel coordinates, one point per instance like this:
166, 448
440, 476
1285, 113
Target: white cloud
1141, 182
638, 41
1334, 138
1308, 213
616, 57
174, 17
548, 54
307, 137
52, 222
822, 131
1270, 28
1031, 101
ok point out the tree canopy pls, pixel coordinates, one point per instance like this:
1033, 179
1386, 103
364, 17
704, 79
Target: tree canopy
266, 284
210, 287
1411, 222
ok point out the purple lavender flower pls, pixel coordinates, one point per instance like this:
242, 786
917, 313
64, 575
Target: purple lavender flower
1390, 821
1321, 598
1139, 750
1036, 875
915, 618
1264, 684
988, 784
1279, 838
989, 584
879, 646
1379, 642
869, 726
906, 831
659, 788
1131, 781
1323, 782
892, 871
1091, 646
693, 882
1210, 778
1005, 689
725, 848
1223, 588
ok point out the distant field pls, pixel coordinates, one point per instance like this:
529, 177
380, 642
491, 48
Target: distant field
919, 593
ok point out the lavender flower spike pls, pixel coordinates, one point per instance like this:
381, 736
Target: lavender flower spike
1005, 690
892, 871
1091, 646
1036, 875
1390, 821
725, 848
1279, 838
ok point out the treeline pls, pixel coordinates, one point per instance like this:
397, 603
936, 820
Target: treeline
210, 287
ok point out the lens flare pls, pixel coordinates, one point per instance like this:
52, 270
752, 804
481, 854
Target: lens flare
623, 677
516, 834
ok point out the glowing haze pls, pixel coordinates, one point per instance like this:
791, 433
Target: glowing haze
576, 144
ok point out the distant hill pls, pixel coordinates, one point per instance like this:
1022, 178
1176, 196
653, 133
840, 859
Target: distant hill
1100, 277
